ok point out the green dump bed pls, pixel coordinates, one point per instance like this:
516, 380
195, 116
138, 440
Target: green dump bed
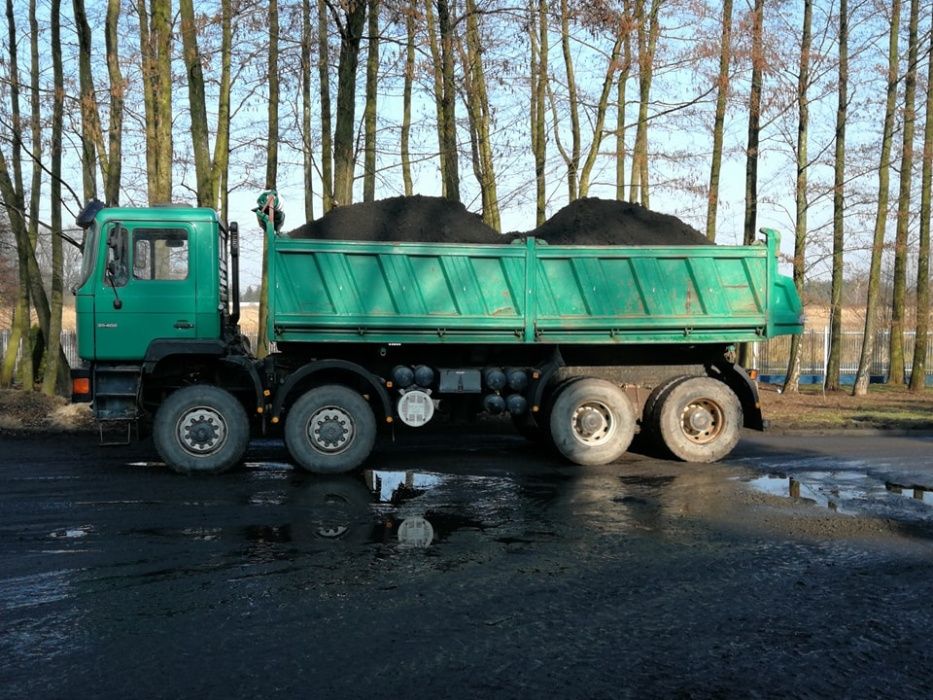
527, 292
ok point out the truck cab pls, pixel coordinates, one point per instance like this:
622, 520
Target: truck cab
157, 312
150, 275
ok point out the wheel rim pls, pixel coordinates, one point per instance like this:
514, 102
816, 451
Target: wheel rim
201, 430
592, 423
330, 430
702, 421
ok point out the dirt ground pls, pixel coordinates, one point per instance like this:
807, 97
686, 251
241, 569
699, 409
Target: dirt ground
642, 579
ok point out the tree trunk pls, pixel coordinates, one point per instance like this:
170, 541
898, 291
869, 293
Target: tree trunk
406, 99
480, 118
351, 31
197, 103
832, 381
369, 110
573, 162
117, 94
620, 101
918, 369
722, 96
327, 149
272, 163
306, 108
14, 200
792, 378
221, 161
89, 153
155, 40
751, 157
899, 296
437, 75
538, 33
862, 375
648, 29
448, 103
272, 144
53, 367
35, 124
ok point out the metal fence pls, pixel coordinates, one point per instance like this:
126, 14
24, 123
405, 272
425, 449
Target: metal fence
770, 358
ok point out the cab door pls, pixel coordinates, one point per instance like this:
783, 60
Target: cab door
147, 290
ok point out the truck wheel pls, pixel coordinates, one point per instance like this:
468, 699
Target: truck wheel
201, 429
699, 419
655, 396
592, 422
330, 430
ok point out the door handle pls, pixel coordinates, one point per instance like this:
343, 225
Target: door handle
183, 324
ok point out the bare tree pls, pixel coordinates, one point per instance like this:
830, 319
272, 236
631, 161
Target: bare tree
792, 378
155, 42
307, 106
327, 149
369, 110
51, 380
751, 152
538, 34
722, 96
839, 179
449, 153
896, 368
480, 117
349, 17
918, 368
860, 387
404, 148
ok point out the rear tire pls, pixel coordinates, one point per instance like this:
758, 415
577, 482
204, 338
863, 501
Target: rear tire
201, 429
592, 422
699, 420
330, 430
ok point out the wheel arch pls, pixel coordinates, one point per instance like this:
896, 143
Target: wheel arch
331, 371
745, 388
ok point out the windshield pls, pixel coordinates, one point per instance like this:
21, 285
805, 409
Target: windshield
89, 248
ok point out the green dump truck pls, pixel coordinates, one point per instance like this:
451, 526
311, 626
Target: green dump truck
583, 346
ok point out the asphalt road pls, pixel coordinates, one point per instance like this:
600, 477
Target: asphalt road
465, 566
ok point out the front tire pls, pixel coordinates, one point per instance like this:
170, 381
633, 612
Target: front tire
330, 430
592, 422
699, 420
201, 429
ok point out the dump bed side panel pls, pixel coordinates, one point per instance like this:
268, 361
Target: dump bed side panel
526, 292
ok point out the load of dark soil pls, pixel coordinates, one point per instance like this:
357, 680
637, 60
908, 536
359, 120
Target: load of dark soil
593, 221
415, 219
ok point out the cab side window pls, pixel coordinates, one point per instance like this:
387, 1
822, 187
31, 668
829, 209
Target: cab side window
116, 273
160, 254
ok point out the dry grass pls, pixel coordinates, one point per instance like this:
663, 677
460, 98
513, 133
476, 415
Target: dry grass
31, 410
884, 407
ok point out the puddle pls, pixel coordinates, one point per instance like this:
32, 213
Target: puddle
848, 492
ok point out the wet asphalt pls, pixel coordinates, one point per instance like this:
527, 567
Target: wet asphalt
468, 565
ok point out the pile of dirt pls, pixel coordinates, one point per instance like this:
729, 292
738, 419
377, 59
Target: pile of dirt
593, 221
415, 219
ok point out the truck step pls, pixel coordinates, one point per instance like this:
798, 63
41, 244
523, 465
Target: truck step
116, 393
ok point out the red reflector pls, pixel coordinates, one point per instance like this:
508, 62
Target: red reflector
753, 374
81, 385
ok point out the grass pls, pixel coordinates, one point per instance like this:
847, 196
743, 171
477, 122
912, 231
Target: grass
884, 407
